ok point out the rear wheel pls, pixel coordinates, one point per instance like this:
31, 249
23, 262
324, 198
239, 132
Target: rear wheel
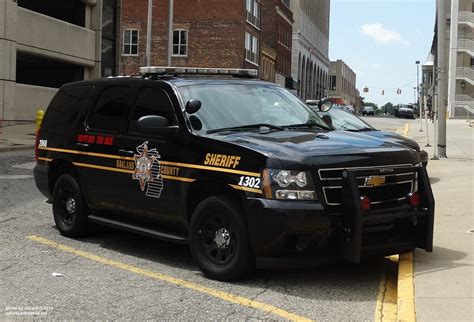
69, 209
219, 240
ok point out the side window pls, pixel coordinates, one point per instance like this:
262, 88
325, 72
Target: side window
64, 108
111, 109
153, 101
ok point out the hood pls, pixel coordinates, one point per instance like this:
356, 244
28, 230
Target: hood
393, 137
297, 149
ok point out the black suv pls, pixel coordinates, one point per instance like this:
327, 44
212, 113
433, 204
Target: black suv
240, 169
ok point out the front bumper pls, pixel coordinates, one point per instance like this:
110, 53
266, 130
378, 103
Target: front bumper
297, 232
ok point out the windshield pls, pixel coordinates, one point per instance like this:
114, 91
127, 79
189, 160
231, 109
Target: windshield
240, 105
342, 120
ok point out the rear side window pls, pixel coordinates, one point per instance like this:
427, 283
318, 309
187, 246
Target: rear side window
111, 110
65, 107
153, 101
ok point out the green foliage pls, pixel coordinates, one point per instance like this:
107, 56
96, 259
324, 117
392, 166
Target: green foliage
388, 108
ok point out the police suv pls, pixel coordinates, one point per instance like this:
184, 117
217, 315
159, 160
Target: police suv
241, 170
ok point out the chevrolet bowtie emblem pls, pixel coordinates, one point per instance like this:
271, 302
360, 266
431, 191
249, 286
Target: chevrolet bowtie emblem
374, 181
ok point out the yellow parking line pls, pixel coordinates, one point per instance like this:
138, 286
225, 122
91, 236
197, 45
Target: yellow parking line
176, 281
386, 308
406, 129
406, 289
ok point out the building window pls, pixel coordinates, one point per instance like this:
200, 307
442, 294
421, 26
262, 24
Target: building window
180, 42
251, 48
253, 12
130, 42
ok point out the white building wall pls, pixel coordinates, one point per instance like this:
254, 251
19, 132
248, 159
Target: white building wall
310, 48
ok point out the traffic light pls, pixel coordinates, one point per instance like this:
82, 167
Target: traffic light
399, 91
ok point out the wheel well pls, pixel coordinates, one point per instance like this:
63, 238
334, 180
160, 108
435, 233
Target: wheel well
58, 167
201, 190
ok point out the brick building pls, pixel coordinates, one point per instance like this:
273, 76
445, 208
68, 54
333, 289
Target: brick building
211, 33
277, 27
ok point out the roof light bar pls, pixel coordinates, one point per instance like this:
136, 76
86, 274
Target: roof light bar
163, 70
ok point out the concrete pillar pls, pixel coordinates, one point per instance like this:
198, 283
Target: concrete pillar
443, 76
8, 8
94, 22
7, 60
453, 45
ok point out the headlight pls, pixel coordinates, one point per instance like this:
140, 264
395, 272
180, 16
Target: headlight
288, 185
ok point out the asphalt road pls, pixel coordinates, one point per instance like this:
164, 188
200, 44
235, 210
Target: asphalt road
116, 275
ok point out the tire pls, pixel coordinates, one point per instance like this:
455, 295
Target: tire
219, 240
69, 209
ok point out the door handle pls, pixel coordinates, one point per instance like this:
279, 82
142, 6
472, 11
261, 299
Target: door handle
82, 144
129, 152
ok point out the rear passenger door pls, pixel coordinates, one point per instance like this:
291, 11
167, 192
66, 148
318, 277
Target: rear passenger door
99, 148
155, 193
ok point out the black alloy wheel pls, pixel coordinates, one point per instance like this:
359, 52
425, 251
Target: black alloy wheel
219, 239
69, 210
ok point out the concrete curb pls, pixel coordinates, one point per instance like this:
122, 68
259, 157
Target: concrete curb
16, 148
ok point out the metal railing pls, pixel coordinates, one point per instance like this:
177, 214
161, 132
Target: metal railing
466, 44
464, 98
465, 72
466, 17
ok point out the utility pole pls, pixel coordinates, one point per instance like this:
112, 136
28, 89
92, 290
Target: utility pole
148, 32
442, 84
170, 30
420, 108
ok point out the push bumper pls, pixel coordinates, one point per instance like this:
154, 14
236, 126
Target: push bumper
294, 233
424, 157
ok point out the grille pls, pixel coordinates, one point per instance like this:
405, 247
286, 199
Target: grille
394, 187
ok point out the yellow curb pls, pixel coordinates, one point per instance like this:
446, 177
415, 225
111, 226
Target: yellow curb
386, 307
172, 280
406, 289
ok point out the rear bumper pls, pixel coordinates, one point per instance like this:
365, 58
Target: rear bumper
293, 234
40, 172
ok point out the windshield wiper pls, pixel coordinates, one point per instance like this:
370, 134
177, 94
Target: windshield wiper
365, 129
308, 125
247, 127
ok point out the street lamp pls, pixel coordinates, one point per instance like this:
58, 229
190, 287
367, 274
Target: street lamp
418, 92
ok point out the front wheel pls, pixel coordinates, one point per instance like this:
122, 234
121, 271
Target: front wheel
219, 240
69, 209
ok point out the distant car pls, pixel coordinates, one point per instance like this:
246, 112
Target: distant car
339, 119
405, 111
368, 110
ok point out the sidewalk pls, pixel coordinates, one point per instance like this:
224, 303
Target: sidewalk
17, 137
444, 278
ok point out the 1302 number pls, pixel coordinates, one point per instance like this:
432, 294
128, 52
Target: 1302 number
250, 182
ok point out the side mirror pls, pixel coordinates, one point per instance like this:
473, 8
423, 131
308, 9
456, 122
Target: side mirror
192, 106
155, 124
325, 105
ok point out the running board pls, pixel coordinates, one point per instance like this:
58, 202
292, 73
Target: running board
138, 229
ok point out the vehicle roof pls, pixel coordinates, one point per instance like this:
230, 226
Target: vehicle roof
177, 81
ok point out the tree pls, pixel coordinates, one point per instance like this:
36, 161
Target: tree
388, 109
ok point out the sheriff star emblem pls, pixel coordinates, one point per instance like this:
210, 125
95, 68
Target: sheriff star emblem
143, 165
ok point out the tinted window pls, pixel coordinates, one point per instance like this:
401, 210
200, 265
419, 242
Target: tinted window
111, 109
64, 108
153, 101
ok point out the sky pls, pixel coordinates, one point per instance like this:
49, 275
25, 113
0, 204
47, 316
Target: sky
381, 40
